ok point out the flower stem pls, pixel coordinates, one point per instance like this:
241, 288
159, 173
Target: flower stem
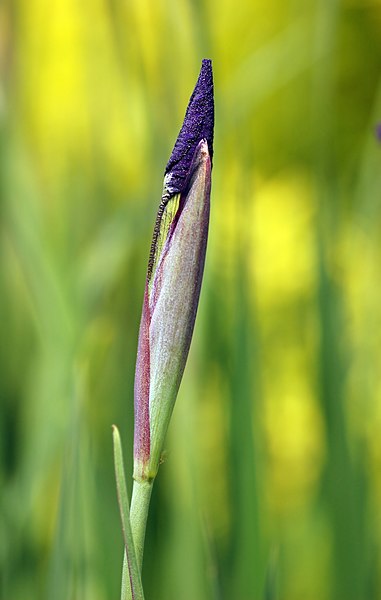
141, 496
134, 588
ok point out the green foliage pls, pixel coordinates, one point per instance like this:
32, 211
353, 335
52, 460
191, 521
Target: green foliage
271, 485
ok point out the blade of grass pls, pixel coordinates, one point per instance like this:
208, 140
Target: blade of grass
247, 549
131, 562
344, 492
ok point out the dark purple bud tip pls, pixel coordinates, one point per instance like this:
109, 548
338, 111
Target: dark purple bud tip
198, 124
378, 131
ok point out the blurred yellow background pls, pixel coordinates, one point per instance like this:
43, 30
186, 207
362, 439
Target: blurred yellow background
272, 484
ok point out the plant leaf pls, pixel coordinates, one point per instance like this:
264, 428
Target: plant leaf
134, 574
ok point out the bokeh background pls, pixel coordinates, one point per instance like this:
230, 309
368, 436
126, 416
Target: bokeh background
271, 488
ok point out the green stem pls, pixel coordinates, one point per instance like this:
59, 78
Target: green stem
133, 578
141, 496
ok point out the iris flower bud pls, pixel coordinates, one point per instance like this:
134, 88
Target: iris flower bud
174, 276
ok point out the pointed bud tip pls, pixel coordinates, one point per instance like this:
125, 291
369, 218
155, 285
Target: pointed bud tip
203, 147
203, 154
198, 124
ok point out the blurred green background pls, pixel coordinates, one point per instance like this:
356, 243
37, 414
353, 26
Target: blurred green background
272, 485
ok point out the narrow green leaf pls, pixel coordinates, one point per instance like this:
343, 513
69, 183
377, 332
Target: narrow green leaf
134, 574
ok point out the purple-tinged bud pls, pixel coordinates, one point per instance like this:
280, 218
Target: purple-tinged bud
198, 124
174, 278
378, 131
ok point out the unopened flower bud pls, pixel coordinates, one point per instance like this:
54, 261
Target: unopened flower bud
174, 276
